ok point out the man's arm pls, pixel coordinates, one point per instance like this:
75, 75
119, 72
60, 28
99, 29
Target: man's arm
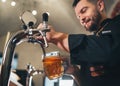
58, 38
61, 40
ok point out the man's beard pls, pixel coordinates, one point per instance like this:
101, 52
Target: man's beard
95, 24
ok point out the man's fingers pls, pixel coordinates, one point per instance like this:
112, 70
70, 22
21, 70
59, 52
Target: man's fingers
96, 71
95, 68
40, 26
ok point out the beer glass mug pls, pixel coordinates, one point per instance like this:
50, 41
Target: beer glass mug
52, 64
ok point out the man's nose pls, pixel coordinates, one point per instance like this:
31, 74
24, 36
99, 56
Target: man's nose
82, 20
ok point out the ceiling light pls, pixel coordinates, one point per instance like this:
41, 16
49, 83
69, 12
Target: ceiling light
3, 0
13, 3
34, 12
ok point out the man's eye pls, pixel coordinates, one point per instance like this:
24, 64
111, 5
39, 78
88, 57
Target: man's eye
84, 10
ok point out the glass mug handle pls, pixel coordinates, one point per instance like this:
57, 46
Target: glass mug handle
53, 65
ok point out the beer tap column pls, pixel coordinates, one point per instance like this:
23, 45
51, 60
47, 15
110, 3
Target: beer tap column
45, 27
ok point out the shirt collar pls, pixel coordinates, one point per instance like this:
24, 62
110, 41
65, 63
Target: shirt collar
103, 24
105, 21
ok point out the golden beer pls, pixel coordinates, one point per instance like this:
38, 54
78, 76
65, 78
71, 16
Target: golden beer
53, 66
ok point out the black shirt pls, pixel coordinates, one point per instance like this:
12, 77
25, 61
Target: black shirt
98, 49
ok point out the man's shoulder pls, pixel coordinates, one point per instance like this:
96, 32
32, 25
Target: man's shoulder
114, 24
115, 21
116, 18
115, 27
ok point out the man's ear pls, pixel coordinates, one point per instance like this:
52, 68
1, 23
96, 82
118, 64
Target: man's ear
100, 5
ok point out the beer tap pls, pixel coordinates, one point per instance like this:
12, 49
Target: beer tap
31, 72
21, 36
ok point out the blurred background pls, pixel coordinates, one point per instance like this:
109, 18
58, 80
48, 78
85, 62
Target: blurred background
62, 17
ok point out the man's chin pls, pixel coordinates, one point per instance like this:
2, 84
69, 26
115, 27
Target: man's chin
91, 28
87, 29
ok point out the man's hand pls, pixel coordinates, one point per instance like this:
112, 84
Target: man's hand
58, 38
96, 71
49, 35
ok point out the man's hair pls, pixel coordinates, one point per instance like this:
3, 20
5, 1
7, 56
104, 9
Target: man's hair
75, 2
